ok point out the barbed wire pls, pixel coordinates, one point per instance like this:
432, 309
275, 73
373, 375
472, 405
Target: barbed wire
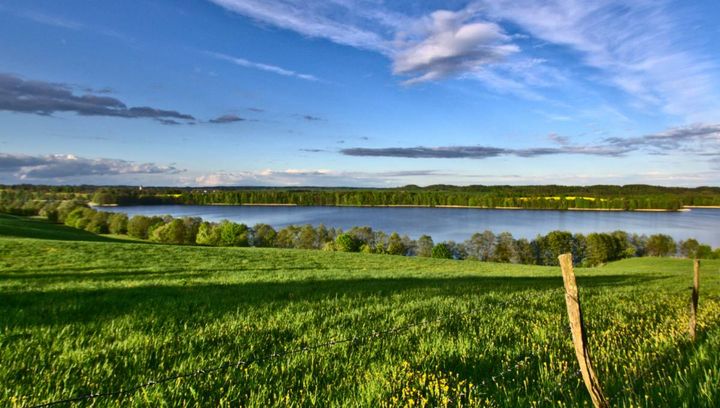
257, 360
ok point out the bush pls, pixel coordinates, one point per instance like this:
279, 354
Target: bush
442, 251
232, 234
118, 223
174, 232
347, 243
79, 217
98, 223
208, 234
264, 235
141, 226
689, 248
396, 246
660, 245
425, 246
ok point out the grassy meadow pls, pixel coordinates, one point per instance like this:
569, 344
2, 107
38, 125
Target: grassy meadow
82, 313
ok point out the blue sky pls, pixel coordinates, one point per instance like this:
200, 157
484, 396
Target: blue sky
359, 92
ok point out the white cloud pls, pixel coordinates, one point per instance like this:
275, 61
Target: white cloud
264, 67
641, 47
435, 46
450, 43
59, 166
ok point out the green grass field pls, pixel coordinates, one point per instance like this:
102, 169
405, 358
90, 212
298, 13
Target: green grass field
81, 313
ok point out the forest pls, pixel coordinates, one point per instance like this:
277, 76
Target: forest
555, 197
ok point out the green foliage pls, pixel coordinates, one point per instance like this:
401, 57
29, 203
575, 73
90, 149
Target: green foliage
104, 197
141, 226
660, 245
347, 243
118, 223
441, 251
208, 234
264, 235
232, 234
481, 246
690, 248
504, 248
396, 245
425, 246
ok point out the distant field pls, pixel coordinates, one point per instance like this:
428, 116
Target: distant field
81, 313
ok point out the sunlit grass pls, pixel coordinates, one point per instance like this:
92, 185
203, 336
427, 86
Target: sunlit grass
81, 316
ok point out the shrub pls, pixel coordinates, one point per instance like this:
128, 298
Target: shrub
118, 223
173, 232
141, 226
425, 246
98, 223
264, 235
442, 251
232, 234
689, 248
396, 246
660, 245
208, 234
347, 243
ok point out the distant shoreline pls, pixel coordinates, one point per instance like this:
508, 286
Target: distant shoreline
685, 208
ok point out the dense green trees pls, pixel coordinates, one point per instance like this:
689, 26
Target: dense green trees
24, 199
593, 249
141, 226
424, 246
117, 223
660, 245
264, 235
347, 243
442, 251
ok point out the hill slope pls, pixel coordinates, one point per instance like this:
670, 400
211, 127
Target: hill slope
80, 316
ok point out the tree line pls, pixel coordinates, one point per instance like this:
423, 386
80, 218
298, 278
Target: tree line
630, 197
588, 250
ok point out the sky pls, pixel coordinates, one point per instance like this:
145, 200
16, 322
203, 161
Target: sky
359, 92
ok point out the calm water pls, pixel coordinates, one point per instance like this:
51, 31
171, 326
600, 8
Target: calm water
456, 223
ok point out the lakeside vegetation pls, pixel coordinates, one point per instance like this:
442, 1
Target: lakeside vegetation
82, 316
589, 250
600, 197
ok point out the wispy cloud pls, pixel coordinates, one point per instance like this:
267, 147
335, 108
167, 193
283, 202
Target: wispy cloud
688, 138
51, 20
448, 44
263, 67
46, 98
642, 47
435, 46
312, 177
59, 166
229, 118
311, 18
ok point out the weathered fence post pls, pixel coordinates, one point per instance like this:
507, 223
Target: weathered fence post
694, 299
577, 328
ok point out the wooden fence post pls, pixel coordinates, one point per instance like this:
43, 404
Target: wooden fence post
579, 337
694, 299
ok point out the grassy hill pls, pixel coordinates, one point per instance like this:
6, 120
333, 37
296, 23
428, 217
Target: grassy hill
81, 313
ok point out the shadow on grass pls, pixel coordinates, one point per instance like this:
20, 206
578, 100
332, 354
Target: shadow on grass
59, 307
24, 227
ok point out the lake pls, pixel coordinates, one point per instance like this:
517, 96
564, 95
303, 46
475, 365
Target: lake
456, 224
